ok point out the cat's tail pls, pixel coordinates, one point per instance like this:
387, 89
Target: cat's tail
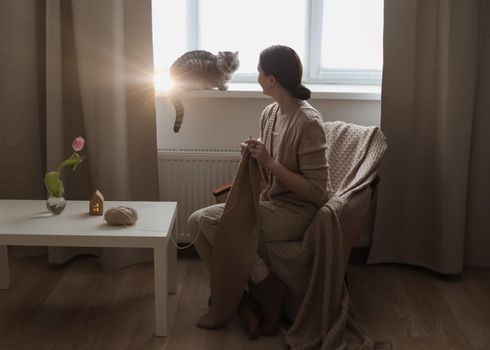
179, 112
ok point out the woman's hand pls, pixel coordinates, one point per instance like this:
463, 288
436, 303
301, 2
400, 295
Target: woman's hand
294, 181
243, 147
259, 152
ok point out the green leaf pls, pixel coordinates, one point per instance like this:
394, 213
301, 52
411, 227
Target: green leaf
72, 162
53, 184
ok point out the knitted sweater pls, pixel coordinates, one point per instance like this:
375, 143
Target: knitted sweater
300, 146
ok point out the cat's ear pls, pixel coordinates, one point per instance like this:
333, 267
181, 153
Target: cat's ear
220, 54
236, 53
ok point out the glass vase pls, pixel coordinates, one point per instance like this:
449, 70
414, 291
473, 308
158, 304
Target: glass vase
55, 205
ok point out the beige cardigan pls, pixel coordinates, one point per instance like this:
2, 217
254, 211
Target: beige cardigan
300, 146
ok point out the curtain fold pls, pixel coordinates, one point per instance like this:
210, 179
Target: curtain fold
22, 103
477, 240
105, 53
92, 64
22, 100
436, 172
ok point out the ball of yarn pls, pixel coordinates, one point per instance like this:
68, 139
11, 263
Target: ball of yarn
121, 216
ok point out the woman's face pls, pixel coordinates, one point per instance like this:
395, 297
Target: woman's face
263, 81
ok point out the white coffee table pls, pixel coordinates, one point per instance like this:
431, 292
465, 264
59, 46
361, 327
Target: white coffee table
27, 222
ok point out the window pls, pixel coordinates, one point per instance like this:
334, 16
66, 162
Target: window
339, 41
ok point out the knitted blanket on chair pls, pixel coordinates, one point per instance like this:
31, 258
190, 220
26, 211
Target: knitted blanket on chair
314, 269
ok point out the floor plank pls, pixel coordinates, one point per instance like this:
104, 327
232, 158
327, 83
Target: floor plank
417, 309
467, 298
81, 306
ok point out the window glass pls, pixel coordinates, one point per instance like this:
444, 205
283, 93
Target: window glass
251, 26
352, 34
345, 47
169, 37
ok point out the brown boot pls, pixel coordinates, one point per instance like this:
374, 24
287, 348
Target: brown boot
248, 315
271, 293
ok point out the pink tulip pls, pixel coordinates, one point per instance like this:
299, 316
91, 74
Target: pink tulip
78, 144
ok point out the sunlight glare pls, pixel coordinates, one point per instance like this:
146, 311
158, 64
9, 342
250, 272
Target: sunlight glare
163, 82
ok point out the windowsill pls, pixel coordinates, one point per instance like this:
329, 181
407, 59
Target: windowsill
319, 91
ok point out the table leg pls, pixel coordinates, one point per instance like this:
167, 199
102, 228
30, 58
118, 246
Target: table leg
160, 267
4, 268
172, 262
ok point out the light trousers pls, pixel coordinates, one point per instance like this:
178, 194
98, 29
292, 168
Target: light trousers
276, 223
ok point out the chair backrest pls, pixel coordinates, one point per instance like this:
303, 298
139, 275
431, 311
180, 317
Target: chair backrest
353, 153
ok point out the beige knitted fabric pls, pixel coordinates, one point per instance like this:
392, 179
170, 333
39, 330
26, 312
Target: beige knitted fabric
235, 246
314, 268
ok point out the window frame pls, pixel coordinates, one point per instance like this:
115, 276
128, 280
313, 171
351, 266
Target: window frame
313, 73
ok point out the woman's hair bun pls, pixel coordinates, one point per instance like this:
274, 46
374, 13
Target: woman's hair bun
301, 92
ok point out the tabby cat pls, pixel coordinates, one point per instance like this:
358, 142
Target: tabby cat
201, 70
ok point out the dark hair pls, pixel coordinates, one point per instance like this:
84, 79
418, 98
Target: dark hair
284, 64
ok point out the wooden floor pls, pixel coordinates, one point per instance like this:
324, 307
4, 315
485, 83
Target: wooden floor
81, 306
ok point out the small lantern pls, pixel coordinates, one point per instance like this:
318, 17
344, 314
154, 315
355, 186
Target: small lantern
96, 203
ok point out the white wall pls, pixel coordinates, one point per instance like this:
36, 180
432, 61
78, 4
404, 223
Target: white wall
224, 122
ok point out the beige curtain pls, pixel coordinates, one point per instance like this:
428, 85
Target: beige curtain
22, 103
434, 199
97, 83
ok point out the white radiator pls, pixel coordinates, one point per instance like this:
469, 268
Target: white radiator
188, 176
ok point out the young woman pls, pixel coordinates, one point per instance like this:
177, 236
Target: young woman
291, 150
